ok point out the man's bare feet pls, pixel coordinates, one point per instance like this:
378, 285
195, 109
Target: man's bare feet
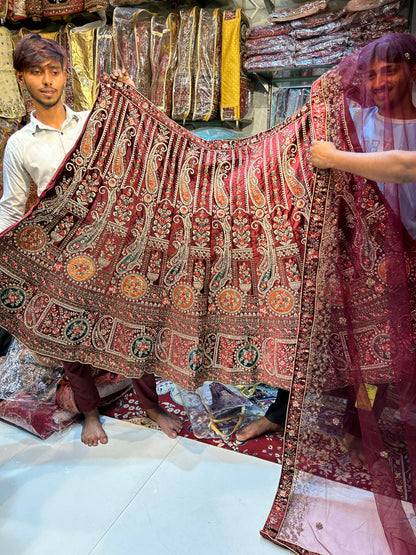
257, 428
356, 450
169, 424
92, 432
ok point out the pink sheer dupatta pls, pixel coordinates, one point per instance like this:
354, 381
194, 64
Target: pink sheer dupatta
354, 387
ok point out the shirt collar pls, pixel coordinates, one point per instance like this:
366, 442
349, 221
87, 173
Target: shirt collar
37, 125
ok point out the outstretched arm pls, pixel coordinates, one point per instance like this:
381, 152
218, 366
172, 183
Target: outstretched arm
396, 166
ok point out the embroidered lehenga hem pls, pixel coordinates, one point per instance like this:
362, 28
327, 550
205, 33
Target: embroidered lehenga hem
153, 250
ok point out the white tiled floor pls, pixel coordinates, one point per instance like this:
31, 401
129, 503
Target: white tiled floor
143, 493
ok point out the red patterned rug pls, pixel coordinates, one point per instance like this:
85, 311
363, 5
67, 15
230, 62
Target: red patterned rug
268, 447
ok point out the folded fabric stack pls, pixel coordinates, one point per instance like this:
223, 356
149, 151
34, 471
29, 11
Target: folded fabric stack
312, 35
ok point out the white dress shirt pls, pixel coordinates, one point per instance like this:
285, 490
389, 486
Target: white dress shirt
370, 126
35, 152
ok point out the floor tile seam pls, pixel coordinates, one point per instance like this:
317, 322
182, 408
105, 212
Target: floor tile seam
134, 496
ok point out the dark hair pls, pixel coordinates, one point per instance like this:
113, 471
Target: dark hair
33, 49
394, 48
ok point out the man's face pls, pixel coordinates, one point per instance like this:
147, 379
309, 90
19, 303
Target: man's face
45, 82
389, 84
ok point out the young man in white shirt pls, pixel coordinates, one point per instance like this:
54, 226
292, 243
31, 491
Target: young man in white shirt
35, 152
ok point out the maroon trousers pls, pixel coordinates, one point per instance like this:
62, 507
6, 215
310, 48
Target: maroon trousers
86, 394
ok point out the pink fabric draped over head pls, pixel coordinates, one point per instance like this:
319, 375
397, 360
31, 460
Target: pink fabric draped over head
235, 261
363, 328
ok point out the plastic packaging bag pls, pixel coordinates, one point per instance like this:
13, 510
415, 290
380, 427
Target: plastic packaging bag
218, 410
28, 385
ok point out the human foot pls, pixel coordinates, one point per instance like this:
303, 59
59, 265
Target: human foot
257, 428
169, 424
92, 432
356, 450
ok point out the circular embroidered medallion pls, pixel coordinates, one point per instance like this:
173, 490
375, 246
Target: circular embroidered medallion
133, 286
196, 359
183, 296
248, 356
142, 347
12, 297
281, 300
230, 300
81, 268
384, 347
76, 330
390, 270
31, 238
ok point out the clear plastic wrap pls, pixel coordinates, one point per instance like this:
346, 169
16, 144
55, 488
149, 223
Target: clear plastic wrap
318, 19
143, 76
63, 40
218, 410
11, 101
263, 31
164, 36
268, 62
104, 51
110, 387
296, 12
184, 74
25, 374
36, 396
131, 32
81, 44
363, 5
28, 385
208, 74
270, 45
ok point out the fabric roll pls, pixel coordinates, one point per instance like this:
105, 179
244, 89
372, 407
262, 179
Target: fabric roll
51, 8
104, 51
208, 71
131, 33
63, 39
164, 63
236, 88
12, 105
183, 80
81, 45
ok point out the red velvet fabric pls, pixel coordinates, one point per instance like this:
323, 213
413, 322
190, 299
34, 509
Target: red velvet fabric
235, 261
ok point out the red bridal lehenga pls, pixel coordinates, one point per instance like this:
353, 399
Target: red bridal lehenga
236, 261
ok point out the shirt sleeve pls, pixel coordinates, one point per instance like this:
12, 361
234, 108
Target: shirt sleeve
16, 187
